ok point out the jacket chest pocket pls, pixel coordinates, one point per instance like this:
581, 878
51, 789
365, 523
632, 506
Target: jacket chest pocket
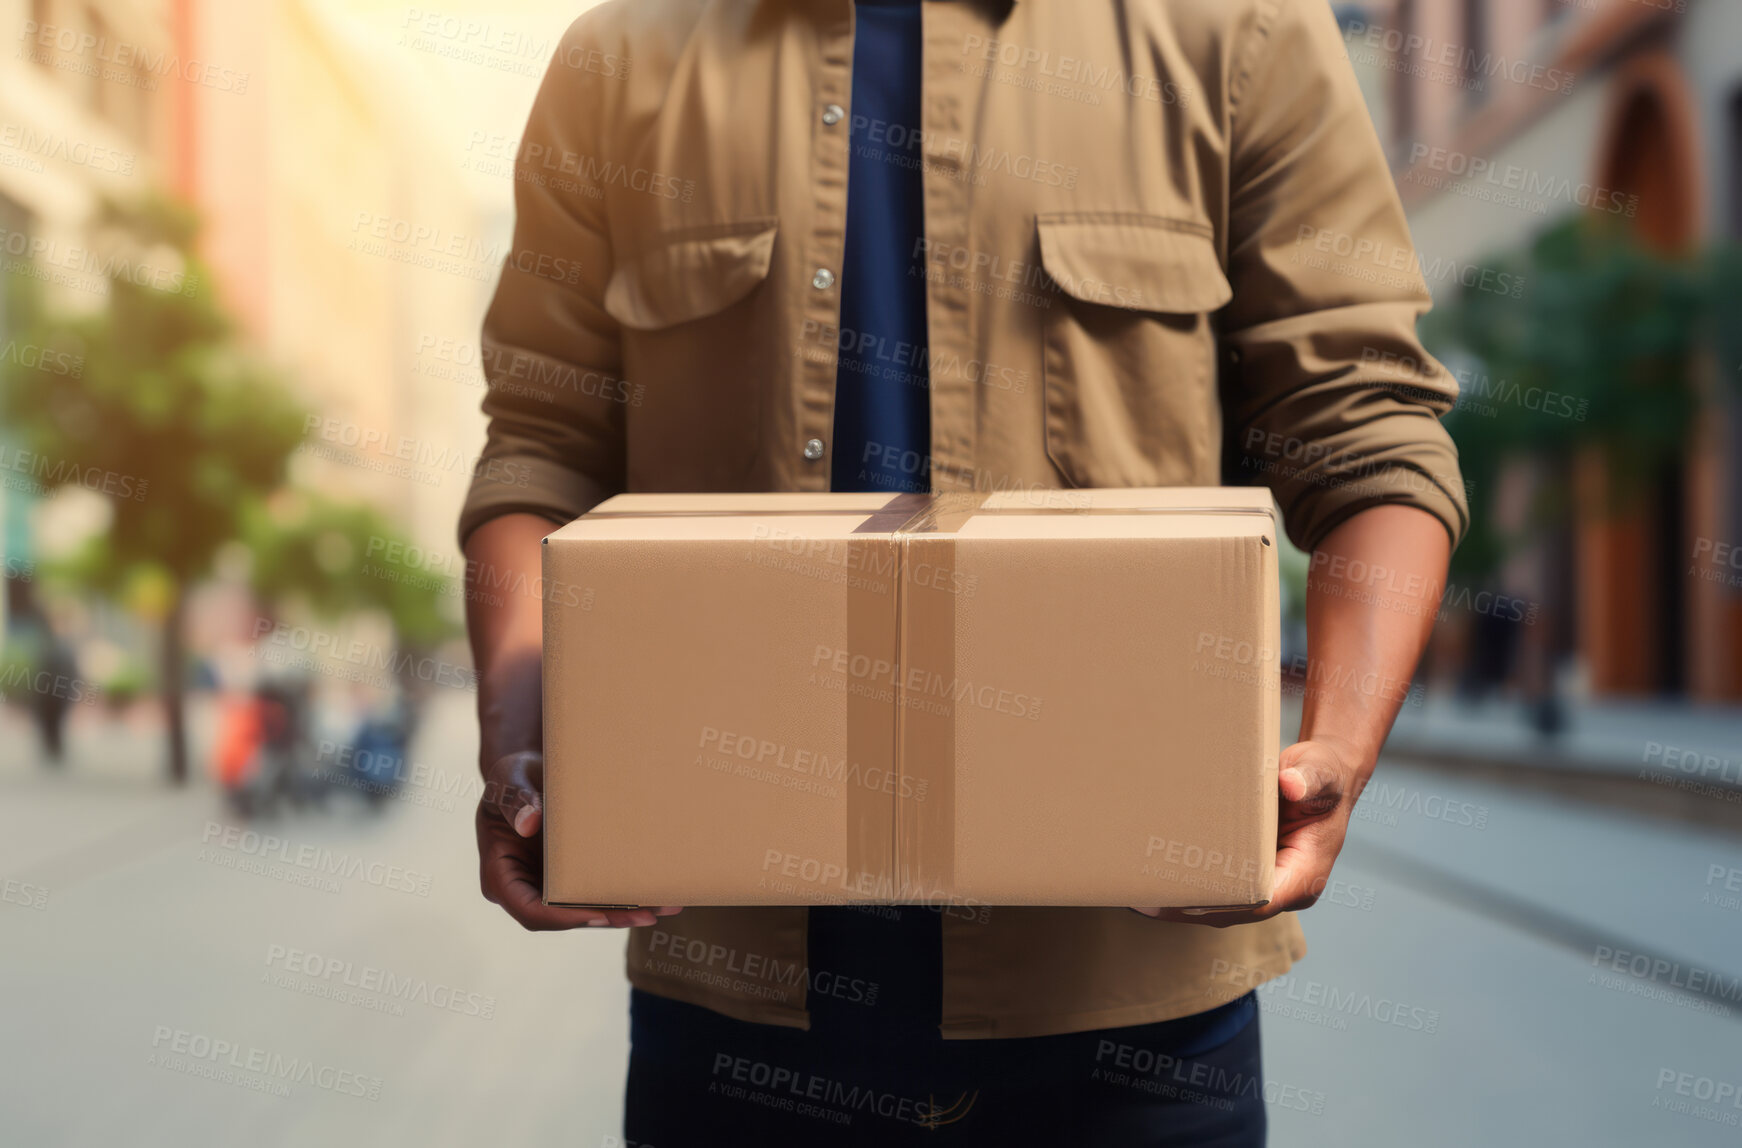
1129, 348
694, 339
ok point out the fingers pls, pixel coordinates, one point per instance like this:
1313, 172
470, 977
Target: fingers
513, 787
1312, 781
511, 875
1309, 789
1301, 877
1214, 918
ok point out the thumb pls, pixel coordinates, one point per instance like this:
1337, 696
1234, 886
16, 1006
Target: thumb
1312, 786
513, 787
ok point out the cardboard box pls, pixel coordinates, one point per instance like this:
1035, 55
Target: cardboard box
1030, 698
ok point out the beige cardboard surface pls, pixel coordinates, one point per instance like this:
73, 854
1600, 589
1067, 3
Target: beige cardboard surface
1057, 697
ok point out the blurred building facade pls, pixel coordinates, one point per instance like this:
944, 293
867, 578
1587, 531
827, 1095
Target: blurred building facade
87, 103
306, 143
335, 234
338, 249
88, 110
1588, 104
346, 240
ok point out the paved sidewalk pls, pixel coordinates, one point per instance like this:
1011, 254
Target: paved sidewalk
355, 953
1644, 740
1502, 1004
1463, 985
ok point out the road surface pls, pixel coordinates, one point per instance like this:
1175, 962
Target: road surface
1474, 978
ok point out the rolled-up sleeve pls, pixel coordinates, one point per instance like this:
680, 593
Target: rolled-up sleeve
1329, 397
555, 400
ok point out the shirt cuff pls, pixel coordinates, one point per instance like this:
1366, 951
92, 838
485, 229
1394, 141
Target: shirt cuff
527, 484
1321, 501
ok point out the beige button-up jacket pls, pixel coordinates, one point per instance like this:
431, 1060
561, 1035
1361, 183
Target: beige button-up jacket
1162, 246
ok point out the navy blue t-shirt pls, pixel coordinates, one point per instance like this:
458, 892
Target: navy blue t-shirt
882, 437
882, 441
882, 384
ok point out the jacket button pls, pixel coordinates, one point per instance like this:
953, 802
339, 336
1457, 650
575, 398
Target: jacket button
813, 449
833, 113
823, 279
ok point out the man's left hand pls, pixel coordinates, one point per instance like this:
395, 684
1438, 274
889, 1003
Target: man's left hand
1318, 783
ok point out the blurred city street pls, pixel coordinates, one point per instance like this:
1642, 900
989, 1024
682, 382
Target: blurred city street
1464, 966
478, 1032
246, 253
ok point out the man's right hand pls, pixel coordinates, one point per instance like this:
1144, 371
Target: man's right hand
507, 633
511, 856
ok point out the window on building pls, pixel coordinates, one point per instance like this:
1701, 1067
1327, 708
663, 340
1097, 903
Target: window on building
41, 16
1733, 163
120, 90
1473, 52
97, 95
14, 229
15, 593
1403, 93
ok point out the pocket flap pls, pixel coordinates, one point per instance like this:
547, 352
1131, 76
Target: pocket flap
689, 274
1138, 262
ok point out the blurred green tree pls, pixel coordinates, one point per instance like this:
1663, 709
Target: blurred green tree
189, 437
341, 557
168, 417
1609, 328
303, 549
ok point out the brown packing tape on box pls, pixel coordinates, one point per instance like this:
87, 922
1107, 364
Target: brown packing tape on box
903, 703
899, 849
873, 635
925, 847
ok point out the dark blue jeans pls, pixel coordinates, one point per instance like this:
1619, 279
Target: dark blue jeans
879, 1074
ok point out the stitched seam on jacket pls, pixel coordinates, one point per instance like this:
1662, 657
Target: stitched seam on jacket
728, 230
1260, 37
1283, 953
1129, 218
